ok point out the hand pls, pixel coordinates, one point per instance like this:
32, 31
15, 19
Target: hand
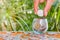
47, 7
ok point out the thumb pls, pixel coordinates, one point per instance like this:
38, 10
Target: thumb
45, 13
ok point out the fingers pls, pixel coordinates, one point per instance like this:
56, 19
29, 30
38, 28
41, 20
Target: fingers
45, 13
36, 2
48, 6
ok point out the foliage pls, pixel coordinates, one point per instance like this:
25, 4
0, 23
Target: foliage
17, 15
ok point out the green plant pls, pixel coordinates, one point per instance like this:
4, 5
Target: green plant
18, 15
54, 17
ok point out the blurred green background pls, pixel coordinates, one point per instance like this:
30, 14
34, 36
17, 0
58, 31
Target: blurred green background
18, 15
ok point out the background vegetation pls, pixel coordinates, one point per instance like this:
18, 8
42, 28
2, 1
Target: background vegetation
17, 15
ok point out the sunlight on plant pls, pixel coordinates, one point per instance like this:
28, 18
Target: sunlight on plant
9, 11
55, 17
17, 15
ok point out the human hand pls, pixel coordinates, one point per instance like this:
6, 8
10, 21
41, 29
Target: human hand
47, 7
